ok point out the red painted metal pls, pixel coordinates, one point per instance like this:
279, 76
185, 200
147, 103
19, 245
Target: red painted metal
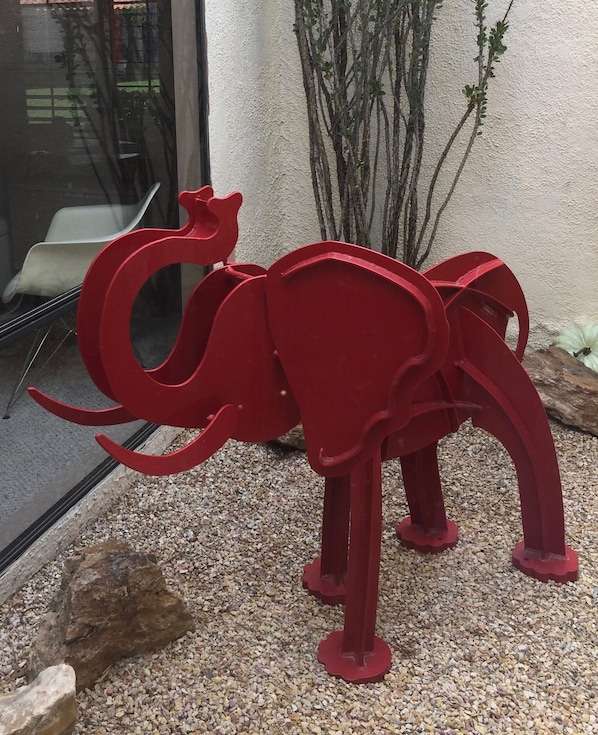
427, 529
377, 361
325, 577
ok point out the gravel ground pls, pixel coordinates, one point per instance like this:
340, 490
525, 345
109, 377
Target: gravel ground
477, 646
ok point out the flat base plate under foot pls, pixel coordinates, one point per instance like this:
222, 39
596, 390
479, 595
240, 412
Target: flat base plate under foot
549, 567
427, 542
322, 587
344, 666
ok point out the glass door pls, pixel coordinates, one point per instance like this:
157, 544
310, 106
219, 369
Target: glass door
102, 125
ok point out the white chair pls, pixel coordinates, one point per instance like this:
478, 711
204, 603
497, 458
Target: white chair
60, 262
75, 236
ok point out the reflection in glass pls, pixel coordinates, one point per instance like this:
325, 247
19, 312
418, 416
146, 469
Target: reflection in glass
87, 150
90, 118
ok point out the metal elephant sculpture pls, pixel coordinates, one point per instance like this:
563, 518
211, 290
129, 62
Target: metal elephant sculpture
377, 361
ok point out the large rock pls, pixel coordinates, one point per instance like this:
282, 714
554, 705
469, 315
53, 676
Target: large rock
45, 707
568, 389
113, 603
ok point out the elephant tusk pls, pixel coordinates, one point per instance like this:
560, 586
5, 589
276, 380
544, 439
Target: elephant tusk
83, 416
216, 433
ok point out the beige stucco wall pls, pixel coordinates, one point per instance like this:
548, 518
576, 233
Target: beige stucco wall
257, 125
530, 191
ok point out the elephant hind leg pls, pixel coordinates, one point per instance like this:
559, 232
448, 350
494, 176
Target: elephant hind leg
426, 529
513, 412
546, 567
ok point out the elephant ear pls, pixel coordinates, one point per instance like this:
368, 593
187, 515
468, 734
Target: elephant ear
356, 332
485, 285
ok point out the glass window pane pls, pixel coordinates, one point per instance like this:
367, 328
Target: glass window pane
88, 151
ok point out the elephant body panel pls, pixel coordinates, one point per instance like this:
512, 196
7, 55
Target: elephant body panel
355, 340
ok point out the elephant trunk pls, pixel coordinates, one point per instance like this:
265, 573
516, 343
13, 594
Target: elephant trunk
220, 428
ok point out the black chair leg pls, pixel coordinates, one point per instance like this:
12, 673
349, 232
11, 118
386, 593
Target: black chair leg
41, 337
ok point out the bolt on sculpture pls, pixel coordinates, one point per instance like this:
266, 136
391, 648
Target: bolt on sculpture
314, 347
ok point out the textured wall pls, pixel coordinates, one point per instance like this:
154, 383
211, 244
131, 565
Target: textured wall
258, 124
530, 191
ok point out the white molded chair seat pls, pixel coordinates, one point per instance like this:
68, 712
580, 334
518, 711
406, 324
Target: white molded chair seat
75, 236
60, 262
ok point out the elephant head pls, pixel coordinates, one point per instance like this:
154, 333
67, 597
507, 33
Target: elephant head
222, 373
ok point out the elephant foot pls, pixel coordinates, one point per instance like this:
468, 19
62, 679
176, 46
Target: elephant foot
427, 541
324, 588
549, 567
346, 666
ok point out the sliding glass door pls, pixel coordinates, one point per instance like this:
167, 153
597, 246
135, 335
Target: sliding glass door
102, 124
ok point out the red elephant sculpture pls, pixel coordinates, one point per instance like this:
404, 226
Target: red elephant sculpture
377, 361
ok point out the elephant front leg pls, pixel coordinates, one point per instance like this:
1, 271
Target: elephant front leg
325, 576
355, 653
427, 528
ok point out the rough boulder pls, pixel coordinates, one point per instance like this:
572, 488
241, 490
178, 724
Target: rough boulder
113, 603
568, 389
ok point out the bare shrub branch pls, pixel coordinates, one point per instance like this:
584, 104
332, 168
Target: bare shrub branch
365, 66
